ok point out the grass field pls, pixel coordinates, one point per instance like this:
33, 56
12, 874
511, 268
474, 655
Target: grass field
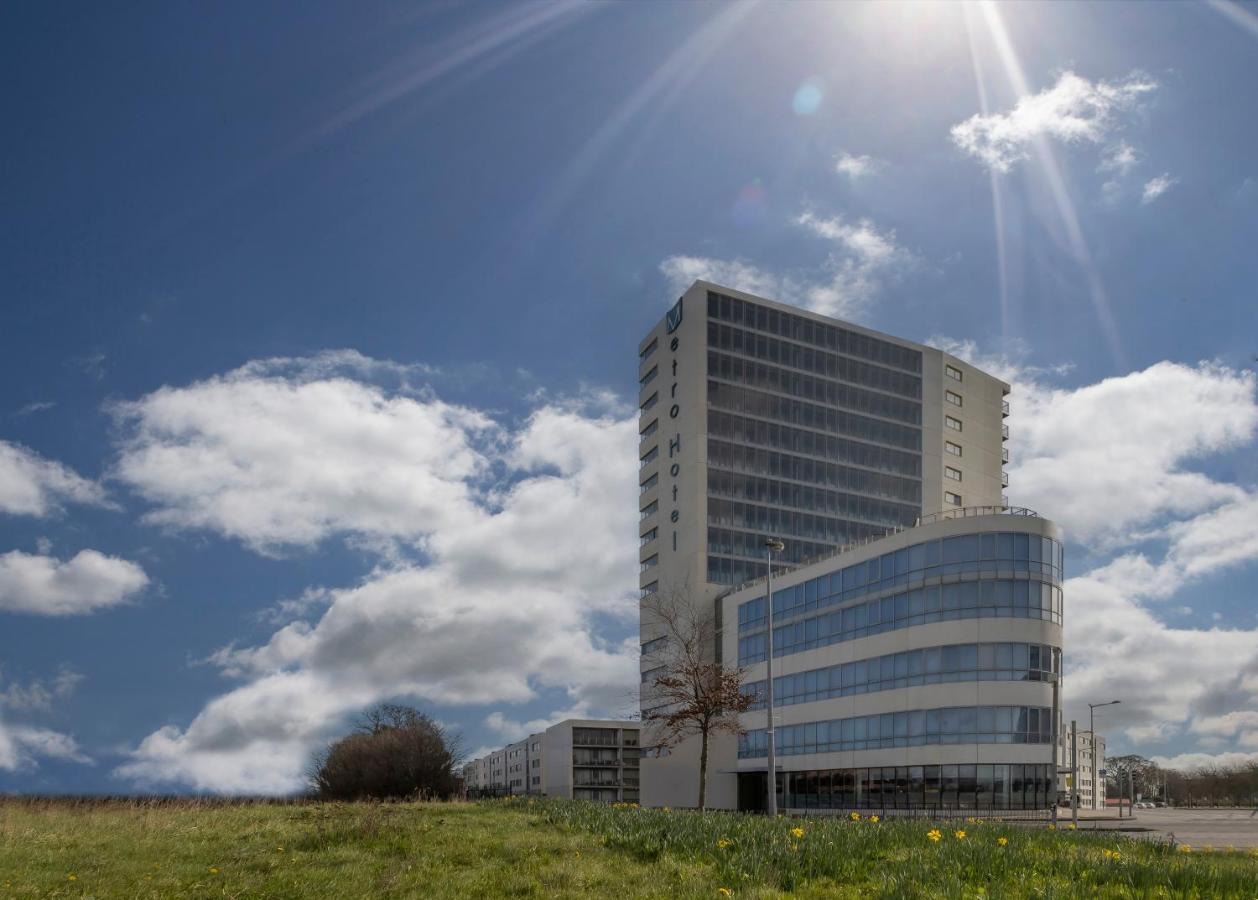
566, 849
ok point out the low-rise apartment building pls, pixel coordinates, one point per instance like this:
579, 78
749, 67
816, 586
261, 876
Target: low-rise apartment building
584, 759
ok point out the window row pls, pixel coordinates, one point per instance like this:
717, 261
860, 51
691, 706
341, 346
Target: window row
928, 665
812, 495
724, 570
806, 387
787, 524
983, 553
965, 786
829, 365
968, 600
775, 437
853, 426
810, 331
913, 728
773, 464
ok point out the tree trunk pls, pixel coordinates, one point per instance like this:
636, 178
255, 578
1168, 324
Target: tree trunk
703, 769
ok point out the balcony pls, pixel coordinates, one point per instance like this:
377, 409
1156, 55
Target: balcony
1004, 454
1004, 481
1004, 408
1004, 432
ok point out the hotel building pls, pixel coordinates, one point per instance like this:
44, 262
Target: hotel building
917, 619
584, 759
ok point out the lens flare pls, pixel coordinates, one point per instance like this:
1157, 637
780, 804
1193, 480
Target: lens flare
808, 97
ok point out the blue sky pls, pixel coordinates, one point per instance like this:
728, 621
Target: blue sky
318, 334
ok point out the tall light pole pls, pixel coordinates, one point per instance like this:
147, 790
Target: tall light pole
1092, 707
769, 546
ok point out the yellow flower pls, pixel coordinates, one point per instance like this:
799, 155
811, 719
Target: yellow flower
797, 832
960, 835
1052, 827
1072, 826
873, 818
723, 843
934, 834
213, 871
1185, 848
72, 878
855, 817
1002, 841
725, 892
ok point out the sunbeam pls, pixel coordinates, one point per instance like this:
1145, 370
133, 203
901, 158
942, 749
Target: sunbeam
1236, 14
1057, 185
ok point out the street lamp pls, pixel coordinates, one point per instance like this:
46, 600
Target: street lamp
769, 546
1092, 707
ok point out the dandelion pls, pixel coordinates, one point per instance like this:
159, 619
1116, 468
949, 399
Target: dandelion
1072, 826
934, 834
1184, 848
725, 892
723, 843
797, 832
213, 871
72, 878
959, 835
1052, 827
874, 819
1002, 841
855, 817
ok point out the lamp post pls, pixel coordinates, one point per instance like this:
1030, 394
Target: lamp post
769, 546
1092, 707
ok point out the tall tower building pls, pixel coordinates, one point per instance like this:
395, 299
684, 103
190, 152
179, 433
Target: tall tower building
759, 420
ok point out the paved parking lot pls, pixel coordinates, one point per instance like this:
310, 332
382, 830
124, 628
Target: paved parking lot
1200, 827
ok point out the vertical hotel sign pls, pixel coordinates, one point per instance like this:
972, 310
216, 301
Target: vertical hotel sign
672, 323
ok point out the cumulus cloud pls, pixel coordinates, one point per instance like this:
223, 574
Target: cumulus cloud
530, 554
1156, 187
1111, 462
34, 486
38, 694
1073, 110
856, 167
45, 586
862, 259
22, 746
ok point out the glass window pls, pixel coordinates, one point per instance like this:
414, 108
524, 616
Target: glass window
953, 499
953, 398
949, 472
953, 372
954, 449
949, 421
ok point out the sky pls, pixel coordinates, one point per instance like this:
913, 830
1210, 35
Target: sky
319, 328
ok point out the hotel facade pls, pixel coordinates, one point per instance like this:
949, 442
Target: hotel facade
917, 617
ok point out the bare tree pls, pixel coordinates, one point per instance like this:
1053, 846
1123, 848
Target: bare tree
689, 692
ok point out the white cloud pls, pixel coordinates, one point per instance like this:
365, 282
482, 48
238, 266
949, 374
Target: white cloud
38, 695
857, 167
519, 572
1187, 762
1109, 462
34, 486
1073, 110
1121, 158
1156, 187
42, 585
862, 259
22, 746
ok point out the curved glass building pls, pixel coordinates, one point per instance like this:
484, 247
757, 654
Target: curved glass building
915, 670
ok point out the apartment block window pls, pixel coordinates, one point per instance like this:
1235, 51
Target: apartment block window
954, 474
651, 401
654, 646
649, 483
953, 397
650, 510
953, 372
649, 376
649, 430
954, 499
654, 533
954, 449
648, 350
651, 456
537, 779
954, 424
649, 563
650, 589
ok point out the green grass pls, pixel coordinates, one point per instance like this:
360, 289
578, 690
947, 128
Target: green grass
563, 849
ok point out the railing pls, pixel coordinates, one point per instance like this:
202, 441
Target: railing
1004, 479
930, 813
1004, 432
1004, 454
962, 512
1004, 408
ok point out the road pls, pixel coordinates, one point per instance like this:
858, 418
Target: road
1218, 828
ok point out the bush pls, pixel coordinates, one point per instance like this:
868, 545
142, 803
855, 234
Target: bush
396, 752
